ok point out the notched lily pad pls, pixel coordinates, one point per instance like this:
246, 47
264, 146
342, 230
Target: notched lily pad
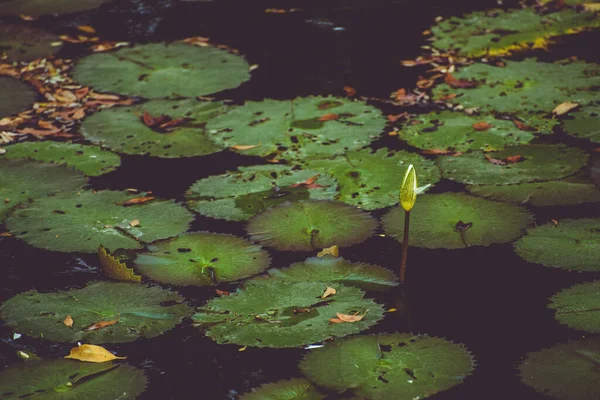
285, 314
16, 96
578, 306
23, 43
311, 225
457, 220
296, 389
398, 366
585, 124
202, 259
244, 193
140, 311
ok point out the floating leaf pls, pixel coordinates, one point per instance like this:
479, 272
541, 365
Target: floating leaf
292, 129
541, 162
16, 95
565, 371
437, 218
157, 70
310, 225
202, 259
24, 43
244, 193
284, 314
585, 123
142, 311
92, 353
36, 8
296, 389
331, 251
571, 244
397, 366
68, 321
101, 324
578, 306
81, 222
564, 108
329, 291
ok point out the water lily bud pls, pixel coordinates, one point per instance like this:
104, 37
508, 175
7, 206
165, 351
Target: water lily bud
408, 189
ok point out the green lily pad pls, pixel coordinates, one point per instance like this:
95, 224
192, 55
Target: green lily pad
292, 389
244, 193
285, 314
37, 8
90, 160
71, 380
525, 86
571, 244
24, 43
442, 221
16, 96
23, 180
331, 269
122, 129
311, 225
398, 366
372, 180
585, 123
81, 222
311, 127
202, 259
540, 162
497, 32
579, 306
141, 311
158, 70
565, 371
455, 131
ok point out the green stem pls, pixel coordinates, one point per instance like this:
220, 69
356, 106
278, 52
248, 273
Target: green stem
404, 246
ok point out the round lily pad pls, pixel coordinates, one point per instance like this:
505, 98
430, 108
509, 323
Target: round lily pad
81, 222
296, 389
525, 86
90, 160
244, 193
157, 70
123, 129
331, 269
565, 371
286, 314
518, 164
202, 259
398, 366
310, 225
372, 180
23, 180
16, 96
311, 127
22, 43
455, 131
36, 8
71, 380
578, 306
570, 244
585, 123
139, 311
457, 220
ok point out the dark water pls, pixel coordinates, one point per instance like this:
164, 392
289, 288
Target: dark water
487, 298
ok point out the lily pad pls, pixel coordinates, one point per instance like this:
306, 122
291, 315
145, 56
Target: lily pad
71, 380
571, 244
331, 269
565, 371
81, 222
455, 131
23, 43
525, 86
202, 259
285, 314
497, 32
140, 311
372, 180
158, 70
123, 130
292, 389
244, 193
23, 180
457, 220
16, 96
398, 366
90, 160
540, 162
585, 123
311, 127
579, 306
311, 225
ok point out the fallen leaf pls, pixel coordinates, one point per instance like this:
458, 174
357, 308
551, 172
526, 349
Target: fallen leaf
392, 310
68, 321
309, 183
6, 234
332, 251
135, 222
523, 126
245, 146
554, 221
134, 201
494, 161
350, 91
86, 29
458, 83
222, 292
350, 318
447, 97
242, 348
153, 122
591, 7
481, 126
92, 353
114, 268
514, 159
462, 226
328, 292
436, 152
100, 325
329, 117
564, 108
335, 320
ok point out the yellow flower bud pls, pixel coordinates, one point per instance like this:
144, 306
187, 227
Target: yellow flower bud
408, 190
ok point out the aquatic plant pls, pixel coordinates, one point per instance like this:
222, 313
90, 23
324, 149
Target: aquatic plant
578, 306
408, 197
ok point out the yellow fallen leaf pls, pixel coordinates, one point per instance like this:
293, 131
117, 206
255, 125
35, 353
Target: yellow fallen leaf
328, 292
392, 310
135, 222
115, 269
68, 321
564, 108
92, 353
100, 325
332, 251
86, 29
350, 318
242, 348
245, 146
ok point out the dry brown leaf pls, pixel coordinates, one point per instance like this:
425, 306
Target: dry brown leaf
523, 126
350, 318
335, 320
436, 152
6, 234
494, 161
135, 200
328, 292
458, 83
100, 325
86, 29
68, 321
329, 117
564, 108
309, 183
134, 222
245, 146
481, 126
331, 251
514, 159
92, 353
222, 292
350, 91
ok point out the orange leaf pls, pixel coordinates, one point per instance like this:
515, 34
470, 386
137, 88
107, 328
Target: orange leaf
68, 321
329, 117
100, 325
523, 126
92, 353
328, 292
350, 318
335, 320
245, 146
86, 29
481, 126
494, 161
134, 201
350, 91
332, 251
309, 183
514, 159
458, 83
222, 292
436, 152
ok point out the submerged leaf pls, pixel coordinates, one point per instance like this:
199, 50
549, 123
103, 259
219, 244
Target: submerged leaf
113, 268
92, 353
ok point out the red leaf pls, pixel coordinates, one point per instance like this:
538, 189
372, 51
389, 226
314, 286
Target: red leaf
458, 83
481, 126
329, 117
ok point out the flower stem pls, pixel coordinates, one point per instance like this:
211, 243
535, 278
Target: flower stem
404, 246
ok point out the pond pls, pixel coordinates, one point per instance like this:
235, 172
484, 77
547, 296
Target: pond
207, 142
